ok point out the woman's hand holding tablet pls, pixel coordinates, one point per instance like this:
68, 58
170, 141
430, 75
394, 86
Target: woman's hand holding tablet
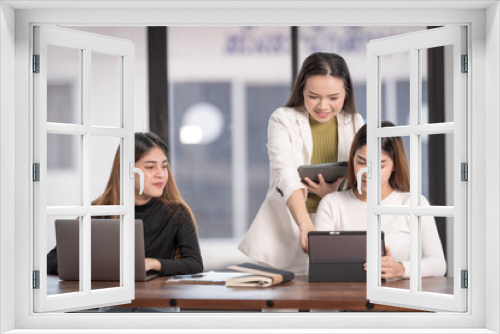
322, 179
330, 171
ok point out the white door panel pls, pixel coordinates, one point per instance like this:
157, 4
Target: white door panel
416, 131
77, 132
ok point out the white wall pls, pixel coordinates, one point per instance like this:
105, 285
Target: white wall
227, 51
7, 170
492, 164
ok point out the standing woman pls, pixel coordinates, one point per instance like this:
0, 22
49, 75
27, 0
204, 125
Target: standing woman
170, 238
316, 126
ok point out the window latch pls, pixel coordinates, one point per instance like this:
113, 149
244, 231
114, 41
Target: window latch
36, 63
465, 279
36, 279
36, 172
464, 167
465, 64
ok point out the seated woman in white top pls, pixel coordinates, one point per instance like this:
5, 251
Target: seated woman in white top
346, 211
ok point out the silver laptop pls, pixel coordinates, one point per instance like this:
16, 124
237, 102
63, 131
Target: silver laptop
105, 250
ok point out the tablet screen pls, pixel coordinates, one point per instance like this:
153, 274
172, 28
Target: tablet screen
338, 247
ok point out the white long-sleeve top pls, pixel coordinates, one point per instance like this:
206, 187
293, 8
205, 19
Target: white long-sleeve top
273, 237
343, 211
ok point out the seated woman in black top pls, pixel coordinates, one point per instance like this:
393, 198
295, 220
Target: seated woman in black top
170, 237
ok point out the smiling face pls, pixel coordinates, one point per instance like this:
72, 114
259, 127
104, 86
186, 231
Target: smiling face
324, 97
386, 169
154, 165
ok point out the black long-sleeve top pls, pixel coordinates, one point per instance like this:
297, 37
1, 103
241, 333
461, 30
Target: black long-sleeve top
166, 228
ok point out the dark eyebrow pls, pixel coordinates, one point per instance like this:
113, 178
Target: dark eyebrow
153, 162
313, 93
360, 157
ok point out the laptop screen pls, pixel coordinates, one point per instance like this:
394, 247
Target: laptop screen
105, 249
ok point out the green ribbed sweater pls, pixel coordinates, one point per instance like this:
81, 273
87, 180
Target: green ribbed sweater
325, 149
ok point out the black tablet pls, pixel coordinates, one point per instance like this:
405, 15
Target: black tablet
338, 256
330, 171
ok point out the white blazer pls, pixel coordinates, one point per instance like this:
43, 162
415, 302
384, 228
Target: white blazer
273, 236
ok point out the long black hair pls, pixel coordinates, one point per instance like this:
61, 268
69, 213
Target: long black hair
144, 142
323, 63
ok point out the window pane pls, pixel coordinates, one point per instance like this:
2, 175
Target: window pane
63, 85
425, 247
436, 85
436, 233
106, 90
395, 90
105, 252
437, 169
138, 36
397, 238
64, 171
393, 175
67, 257
102, 156
66, 176
220, 108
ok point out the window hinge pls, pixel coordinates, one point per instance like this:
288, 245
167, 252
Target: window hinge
464, 171
465, 64
36, 172
36, 279
36, 63
465, 279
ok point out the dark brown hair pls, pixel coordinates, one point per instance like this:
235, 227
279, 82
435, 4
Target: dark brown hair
394, 147
144, 142
322, 63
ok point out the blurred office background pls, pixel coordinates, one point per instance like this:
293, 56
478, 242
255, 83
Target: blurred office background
208, 92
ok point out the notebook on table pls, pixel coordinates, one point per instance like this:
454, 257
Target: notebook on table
105, 250
258, 276
242, 275
338, 256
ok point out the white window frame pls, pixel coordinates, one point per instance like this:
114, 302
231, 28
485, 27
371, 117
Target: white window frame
415, 44
484, 212
86, 43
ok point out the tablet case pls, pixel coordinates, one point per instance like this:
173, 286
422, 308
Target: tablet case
330, 172
338, 256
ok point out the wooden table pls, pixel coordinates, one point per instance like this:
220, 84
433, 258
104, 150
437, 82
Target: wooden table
297, 294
